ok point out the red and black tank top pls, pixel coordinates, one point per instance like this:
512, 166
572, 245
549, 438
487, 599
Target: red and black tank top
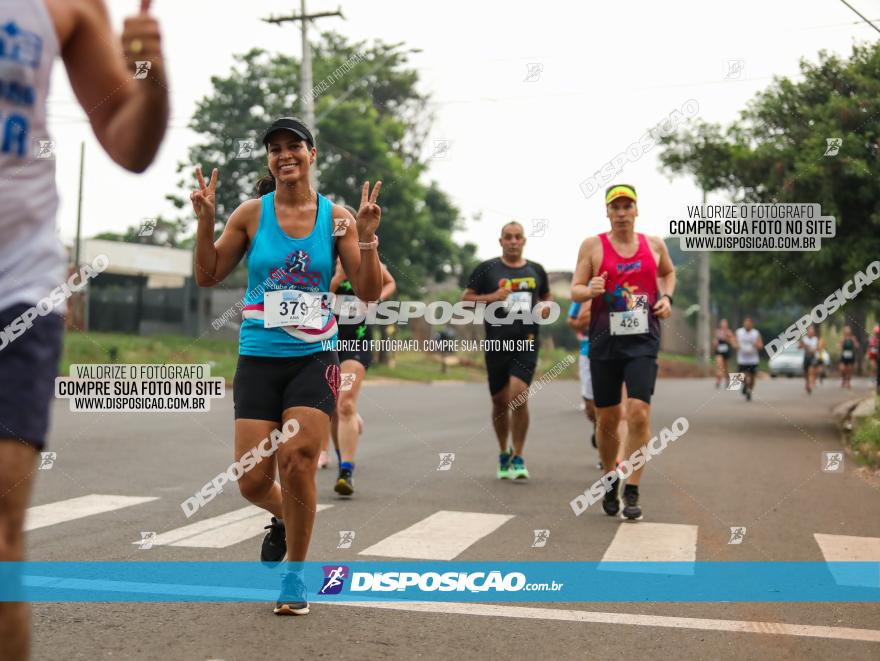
631, 283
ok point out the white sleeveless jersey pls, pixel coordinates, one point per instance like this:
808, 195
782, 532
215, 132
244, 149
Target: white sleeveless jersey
32, 261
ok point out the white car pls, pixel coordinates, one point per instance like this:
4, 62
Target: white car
789, 361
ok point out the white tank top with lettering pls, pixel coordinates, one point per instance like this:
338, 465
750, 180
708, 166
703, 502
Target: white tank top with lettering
32, 260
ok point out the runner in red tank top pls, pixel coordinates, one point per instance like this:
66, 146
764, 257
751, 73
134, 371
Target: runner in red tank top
630, 280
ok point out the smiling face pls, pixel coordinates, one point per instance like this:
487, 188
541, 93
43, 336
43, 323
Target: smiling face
622, 213
512, 241
290, 157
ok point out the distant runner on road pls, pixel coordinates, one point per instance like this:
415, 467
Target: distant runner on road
521, 284
722, 343
748, 343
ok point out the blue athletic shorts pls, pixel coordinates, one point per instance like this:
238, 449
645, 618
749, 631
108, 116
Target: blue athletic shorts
28, 367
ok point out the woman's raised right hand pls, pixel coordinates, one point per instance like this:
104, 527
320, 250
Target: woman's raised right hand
204, 199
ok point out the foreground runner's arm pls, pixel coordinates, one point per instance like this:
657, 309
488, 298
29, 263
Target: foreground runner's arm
499, 294
665, 279
113, 99
358, 247
214, 261
389, 284
586, 286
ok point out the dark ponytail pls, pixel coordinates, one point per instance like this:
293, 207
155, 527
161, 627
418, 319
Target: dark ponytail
265, 185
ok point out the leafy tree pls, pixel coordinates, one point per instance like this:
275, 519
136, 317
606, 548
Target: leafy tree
776, 152
371, 124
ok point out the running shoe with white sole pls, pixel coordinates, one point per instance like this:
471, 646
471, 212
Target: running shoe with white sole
504, 465
631, 509
274, 543
518, 470
292, 600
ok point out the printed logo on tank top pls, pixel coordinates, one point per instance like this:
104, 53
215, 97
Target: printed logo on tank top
518, 284
296, 273
624, 297
631, 267
20, 55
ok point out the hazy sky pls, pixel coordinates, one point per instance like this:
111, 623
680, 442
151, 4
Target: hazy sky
601, 74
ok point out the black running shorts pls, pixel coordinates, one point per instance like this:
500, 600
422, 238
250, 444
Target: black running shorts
28, 367
748, 368
639, 374
501, 365
264, 387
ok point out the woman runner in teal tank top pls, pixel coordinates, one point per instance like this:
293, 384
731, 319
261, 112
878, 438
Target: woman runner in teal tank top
287, 379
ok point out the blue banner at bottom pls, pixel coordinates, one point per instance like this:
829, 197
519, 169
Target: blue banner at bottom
444, 581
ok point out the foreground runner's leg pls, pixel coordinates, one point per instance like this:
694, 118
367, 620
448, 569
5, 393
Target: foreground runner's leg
258, 485
607, 436
17, 467
297, 465
501, 425
346, 418
519, 422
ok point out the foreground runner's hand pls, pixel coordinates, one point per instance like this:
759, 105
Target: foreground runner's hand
597, 285
500, 294
369, 214
141, 39
662, 309
204, 199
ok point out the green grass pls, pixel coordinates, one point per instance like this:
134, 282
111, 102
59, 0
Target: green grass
866, 438
159, 349
222, 356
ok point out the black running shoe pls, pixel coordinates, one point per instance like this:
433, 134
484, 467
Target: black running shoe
344, 486
274, 543
631, 509
611, 503
292, 600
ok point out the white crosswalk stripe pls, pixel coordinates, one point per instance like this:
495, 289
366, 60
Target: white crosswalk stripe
442, 536
652, 542
220, 531
62, 511
847, 548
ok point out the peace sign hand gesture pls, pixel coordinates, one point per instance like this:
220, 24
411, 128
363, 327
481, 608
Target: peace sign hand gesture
203, 200
369, 214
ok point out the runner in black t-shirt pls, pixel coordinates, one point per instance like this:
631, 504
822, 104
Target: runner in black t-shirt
520, 284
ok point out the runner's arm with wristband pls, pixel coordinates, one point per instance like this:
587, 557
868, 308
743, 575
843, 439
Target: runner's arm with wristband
358, 247
665, 280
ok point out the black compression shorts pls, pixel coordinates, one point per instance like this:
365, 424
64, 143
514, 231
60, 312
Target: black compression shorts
639, 374
265, 386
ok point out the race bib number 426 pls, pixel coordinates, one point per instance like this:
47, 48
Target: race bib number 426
291, 307
633, 321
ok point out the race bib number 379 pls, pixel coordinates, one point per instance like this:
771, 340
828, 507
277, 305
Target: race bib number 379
290, 307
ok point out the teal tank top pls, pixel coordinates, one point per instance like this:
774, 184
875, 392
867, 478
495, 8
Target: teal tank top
276, 261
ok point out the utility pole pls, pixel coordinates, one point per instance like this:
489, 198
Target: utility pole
704, 314
305, 87
79, 303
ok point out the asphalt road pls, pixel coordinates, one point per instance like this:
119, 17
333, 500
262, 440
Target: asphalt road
756, 465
